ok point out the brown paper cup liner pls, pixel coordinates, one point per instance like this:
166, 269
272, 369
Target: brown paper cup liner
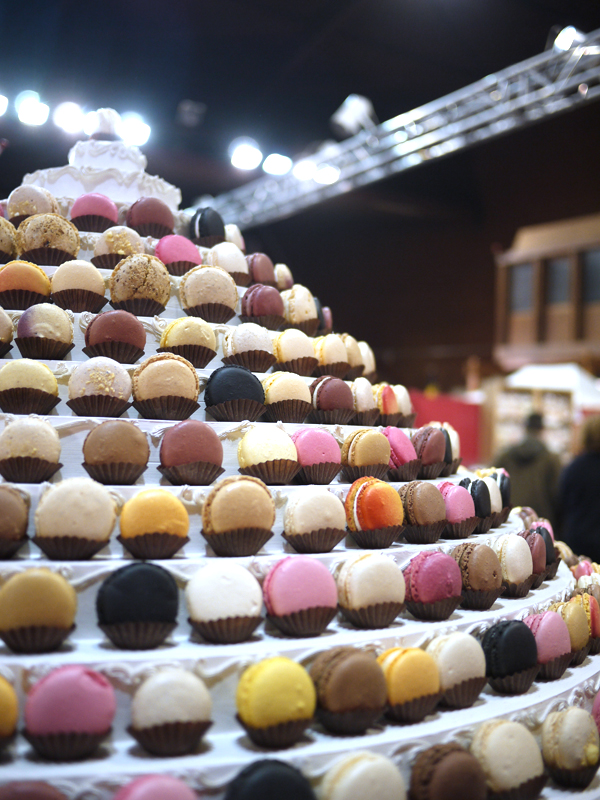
338, 370
241, 278
365, 418
350, 474
496, 519
254, 360
166, 407
107, 261
5, 741
226, 631
594, 645
9, 547
424, 534
68, 548
579, 656
5, 347
389, 419
349, 723
319, 541
484, 524
119, 473
320, 474
377, 538
179, 268
480, 600
301, 366
5, 257
414, 710
208, 241
211, 312
154, 545
78, 300
37, 347
538, 579
65, 746
171, 738
573, 778
271, 322
138, 635
98, 405
92, 223
122, 352
377, 615
460, 530
239, 542
288, 411
308, 326
27, 401
406, 420
551, 569
276, 737
27, 469
278, 472
337, 416
140, 306
517, 683
154, 229
16, 221
35, 638
504, 514
354, 373
450, 469
20, 299
406, 472
553, 670
237, 410
307, 622
439, 610
430, 471
196, 354
196, 473
517, 590
530, 790
372, 377
464, 694
48, 256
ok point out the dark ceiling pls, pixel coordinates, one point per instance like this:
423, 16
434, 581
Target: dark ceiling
277, 70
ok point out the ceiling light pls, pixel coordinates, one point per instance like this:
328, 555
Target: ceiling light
568, 38
245, 153
30, 110
304, 170
69, 117
354, 115
276, 164
327, 175
3, 104
133, 130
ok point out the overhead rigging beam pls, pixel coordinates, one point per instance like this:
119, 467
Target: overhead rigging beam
520, 95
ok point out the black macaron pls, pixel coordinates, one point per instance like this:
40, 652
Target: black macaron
509, 647
549, 542
480, 494
207, 224
504, 486
269, 779
139, 592
233, 383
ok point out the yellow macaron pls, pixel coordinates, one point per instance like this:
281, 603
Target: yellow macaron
274, 691
9, 708
409, 673
154, 511
37, 597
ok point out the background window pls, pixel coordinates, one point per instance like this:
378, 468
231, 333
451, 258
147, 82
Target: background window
591, 276
521, 287
557, 281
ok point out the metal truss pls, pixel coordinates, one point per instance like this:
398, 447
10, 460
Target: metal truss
520, 95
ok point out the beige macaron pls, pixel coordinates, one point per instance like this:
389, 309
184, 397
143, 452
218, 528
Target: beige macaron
240, 501
165, 375
208, 285
365, 447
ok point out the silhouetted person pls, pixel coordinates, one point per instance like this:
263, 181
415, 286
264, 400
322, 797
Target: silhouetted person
534, 471
579, 494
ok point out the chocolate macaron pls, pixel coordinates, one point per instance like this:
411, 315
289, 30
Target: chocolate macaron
447, 771
191, 453
115, 334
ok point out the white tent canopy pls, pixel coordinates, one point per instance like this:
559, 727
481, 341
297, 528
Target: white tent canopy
559, 377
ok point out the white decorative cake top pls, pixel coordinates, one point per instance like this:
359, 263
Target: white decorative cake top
107, 155
106, 121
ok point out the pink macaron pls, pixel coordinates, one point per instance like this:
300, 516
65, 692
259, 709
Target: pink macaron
542, 523
538, 550
156, 787
95, 204
401, 448
432, 576
70, 699
174, 248
583, 568
459, 503
316, 446
551, 635
262, 301
296, 583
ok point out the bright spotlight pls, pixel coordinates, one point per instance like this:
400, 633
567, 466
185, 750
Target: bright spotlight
568, 38
245, 153
327, 175
133, 129
3, 104
277, 165
304, 170
69, 117
30, 110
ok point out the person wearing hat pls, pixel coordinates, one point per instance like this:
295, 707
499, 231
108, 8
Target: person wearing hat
534, 470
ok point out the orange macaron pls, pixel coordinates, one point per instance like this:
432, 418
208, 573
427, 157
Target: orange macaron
372, 504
